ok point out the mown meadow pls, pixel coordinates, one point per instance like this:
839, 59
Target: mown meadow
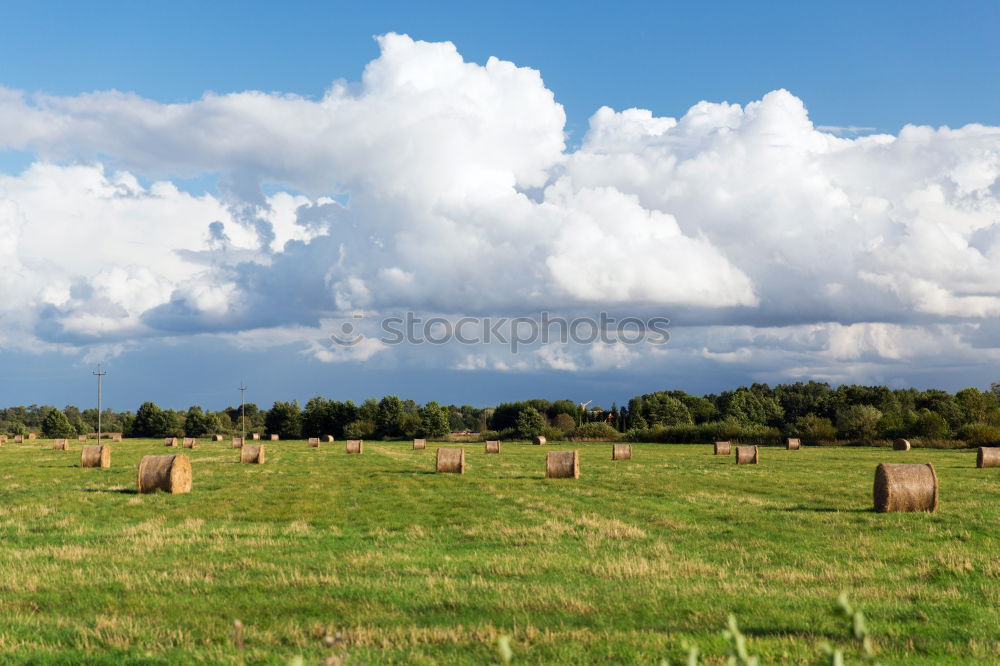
376, 559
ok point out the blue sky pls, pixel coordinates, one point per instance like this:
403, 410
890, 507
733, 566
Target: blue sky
836, 255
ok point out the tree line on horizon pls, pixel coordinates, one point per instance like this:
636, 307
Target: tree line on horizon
813, 411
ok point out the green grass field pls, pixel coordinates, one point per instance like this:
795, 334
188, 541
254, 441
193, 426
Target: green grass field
378, 558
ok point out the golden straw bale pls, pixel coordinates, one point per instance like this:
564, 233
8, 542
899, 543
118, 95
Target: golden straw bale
419, 444
117, 437
95, 455
218, 438
171, 474
314, 442
189, 443
252, 454
538, 440
492, 446
905, 488
255, 436
237, 442
746, 455
722, 448
328, 439
793, 444
988, 456
60, 444
81, 438
621, 451
355, 446
170, 441
32, 435
901, 445
562, 465
451, 461
274, 437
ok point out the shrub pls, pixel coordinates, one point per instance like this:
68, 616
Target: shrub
814, 429
530, 423
601, 432
553, 434
979, 434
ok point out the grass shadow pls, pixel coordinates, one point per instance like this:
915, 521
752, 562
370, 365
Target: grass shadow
823, 509
118, 491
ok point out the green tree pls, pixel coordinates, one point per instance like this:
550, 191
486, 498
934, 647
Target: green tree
196, 423
529, 423
748, 407
151, 421
858, 421
285, 420
389, 417
433, 420
56, 424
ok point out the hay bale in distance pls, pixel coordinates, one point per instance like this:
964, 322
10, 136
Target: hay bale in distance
746, 455
621, 451
988, 456
3, 439
95, 455
217, 438
328, 439
255, 436
117, 437
492, 446
355, 446
275, 437
171, 474
314, 442
562, 465
538, 440
81, 438
60, 444
793, 443
722, 448
189, 443
901, 445
419, 444
905, 488
451, 461
19, 439
237, 442
32, 435
170, 441
252, 454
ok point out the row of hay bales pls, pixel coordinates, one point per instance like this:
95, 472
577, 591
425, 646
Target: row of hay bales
897, 488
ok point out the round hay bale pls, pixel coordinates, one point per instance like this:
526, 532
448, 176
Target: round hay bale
562, 465
95, 455
793, 444
328, 439
901, 445
621, 451
451, 461
419, 444
355, 446
255, 436
314, 442
60, 444
538, 440
746, 455
117, 437
32, 435
19, 439
988, 456
170, 441
217, 438
274, 437
252, 454
3, 439
723, 448
237, 442
905, 488
80, 438
492, 446
171, 474
189, 443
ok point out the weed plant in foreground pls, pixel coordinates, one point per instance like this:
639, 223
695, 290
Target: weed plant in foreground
375, 558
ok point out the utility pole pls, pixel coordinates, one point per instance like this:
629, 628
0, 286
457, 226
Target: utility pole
100, 375
243, 411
